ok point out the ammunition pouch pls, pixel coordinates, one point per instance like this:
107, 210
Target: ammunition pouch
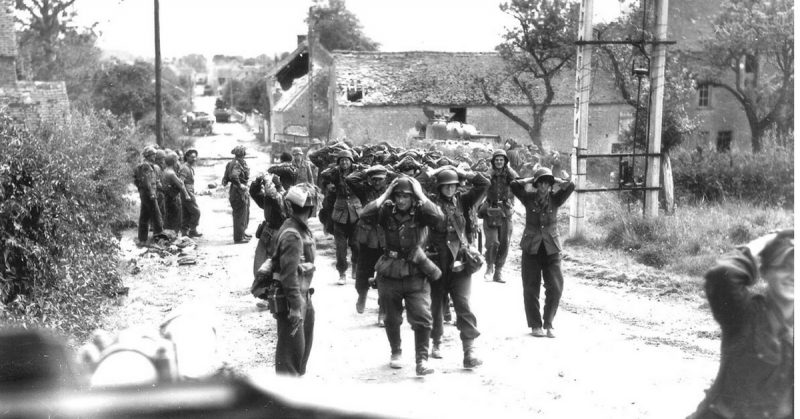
276, 299
471, 260
424, 264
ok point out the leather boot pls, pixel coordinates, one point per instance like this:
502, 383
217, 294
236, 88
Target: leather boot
362, 301
393, 333
421, 339
470, 360
498, 275
436, 352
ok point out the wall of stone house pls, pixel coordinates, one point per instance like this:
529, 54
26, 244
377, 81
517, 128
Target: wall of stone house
35, 102
372, 124
724, 114
295, 115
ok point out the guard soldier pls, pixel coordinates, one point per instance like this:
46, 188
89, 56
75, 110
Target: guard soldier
345, 211
403, 212
174, 193
292, 266
145, 180
367, 185
237, 173
267, 192
449, 244
541, 194
497, 212
191, 212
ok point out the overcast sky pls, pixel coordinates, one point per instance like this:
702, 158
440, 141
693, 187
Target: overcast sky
253, 27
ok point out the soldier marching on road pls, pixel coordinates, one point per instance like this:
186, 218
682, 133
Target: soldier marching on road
237, 174
345, 211
403, 212
497, 212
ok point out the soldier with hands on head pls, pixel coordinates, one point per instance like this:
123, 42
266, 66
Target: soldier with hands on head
267, 192
145, 180
191, 212
541, 194
292, 268
344, 215
404, 212
497, 212
449, 243
237, 174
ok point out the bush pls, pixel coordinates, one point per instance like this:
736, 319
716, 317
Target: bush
766, 178
61, 191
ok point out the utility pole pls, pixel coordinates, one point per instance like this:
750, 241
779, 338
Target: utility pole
159, 130
310, 40
656, 109
583, 82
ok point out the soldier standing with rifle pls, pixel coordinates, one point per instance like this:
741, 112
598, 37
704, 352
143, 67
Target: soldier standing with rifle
237, 173
403, 212
292, 266
449, 243
145, 180
497, 212
345, 212
541, 194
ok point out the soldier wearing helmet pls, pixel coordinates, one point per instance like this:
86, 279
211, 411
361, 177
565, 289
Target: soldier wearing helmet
191, 212
145, 180
368, 185
174, 193
344, 214
304, 168
403, 270
541, 194
292, 267
237, 174
496, 212
267, 192
449, 242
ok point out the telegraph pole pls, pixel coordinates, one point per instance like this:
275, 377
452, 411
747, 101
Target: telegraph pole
310, 40
656, 109
159, 130
583, 82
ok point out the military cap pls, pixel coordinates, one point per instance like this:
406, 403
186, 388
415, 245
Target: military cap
377, 170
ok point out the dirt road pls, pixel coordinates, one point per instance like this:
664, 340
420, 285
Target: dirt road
618, 354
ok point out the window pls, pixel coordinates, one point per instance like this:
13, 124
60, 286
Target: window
704, 96
355, 91
724, 141
459, 115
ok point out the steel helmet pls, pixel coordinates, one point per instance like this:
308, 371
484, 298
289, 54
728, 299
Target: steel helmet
344, 154
403, 186
543, 174
239, 150
500, 152
148, 151
447, 177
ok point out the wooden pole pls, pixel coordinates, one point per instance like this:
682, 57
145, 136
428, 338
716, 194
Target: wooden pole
656, 108
159, 124
583, 82
310, 40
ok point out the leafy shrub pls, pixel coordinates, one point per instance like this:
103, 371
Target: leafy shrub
766, 178
61, 191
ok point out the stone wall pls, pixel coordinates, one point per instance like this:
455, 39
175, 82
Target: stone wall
35, 102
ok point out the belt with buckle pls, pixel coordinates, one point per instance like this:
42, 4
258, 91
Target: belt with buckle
394, 254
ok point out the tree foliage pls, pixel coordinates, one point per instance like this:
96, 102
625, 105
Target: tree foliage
751, 56
536, 50
338, 28
195, 61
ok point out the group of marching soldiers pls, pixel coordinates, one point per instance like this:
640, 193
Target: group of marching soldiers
167, 194
409, 221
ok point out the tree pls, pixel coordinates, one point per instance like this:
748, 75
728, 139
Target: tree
44, 23
751, 56
620, 60
126, 89
195, 61
338, 28
535, 52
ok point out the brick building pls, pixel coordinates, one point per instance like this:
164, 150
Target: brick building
29, 101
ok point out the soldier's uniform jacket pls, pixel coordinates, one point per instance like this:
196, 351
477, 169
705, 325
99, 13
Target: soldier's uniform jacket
237, 172
449, 235
403, 233
347, 205
271, 201
296, 251
541, 217
756, 371
499, 193
159, 175
305, 172
186, 174
367, 231
173, 185
145, 179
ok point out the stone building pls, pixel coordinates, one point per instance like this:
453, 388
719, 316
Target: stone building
30, 102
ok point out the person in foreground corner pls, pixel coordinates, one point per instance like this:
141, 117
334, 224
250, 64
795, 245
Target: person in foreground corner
541, 194
756, 370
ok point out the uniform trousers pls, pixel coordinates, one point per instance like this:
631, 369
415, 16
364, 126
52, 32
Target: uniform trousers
344, 236
174, 211
497, 241
416, 292
191, 214
149, 216
459, 286
240, 204
292, 352
534, 269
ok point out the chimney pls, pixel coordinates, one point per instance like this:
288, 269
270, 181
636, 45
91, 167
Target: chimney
301, 38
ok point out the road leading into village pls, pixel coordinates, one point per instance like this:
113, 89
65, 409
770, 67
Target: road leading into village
618, 354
